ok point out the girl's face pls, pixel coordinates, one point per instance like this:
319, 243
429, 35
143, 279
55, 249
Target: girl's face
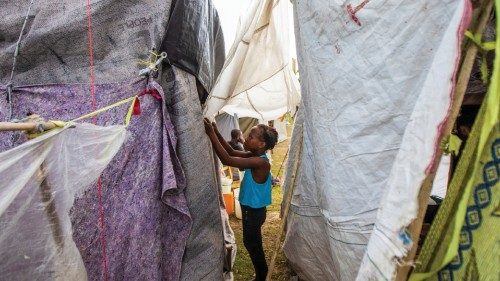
254, 140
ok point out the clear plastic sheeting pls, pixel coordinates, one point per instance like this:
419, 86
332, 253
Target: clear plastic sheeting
257, 78
39, 182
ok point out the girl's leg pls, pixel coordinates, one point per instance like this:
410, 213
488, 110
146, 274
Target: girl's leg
252, 239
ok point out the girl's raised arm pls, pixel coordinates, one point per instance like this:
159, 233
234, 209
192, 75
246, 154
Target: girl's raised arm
226, 146
226, 158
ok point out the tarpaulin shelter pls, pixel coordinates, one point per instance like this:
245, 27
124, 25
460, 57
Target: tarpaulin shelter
257, 79
36, 232
257, 83
377, 81
463, 241
160, 202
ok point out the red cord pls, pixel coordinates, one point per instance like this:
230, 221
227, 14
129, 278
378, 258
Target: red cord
94, 120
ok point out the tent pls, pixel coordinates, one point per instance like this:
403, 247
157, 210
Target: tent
257, 79
243, 97
158, 204
376, 83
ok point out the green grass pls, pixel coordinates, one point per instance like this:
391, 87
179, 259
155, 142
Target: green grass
243, 268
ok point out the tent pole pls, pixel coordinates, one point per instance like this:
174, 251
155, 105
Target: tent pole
28, 126
282, 229
425, 190
50, 207
47, 197
283, 162
288, 202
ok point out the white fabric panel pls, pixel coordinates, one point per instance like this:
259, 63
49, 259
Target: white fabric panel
257, 79
280, 127
374, 96
306, 242
422, 135
440, 184
39, 181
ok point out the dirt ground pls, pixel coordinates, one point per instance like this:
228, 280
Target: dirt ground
243, 268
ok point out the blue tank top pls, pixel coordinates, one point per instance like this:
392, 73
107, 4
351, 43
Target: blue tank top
255, 195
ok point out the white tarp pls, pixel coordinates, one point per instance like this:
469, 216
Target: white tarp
417, 150
440, 184
39, 181
280, 126
257, 78
376, 80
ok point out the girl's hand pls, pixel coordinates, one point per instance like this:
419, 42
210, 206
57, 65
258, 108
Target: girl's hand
215, 127
209, 129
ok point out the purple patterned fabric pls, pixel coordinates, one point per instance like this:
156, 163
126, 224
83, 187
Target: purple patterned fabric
146, 217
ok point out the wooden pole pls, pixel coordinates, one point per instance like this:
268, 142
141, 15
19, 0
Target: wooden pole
28, 126
425, 190
50, 207
283, 162
288, 202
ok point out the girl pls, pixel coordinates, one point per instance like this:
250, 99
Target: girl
255, 192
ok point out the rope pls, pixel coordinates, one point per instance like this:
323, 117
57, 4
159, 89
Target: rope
152, 64
36, 126
94, 120
101, 110
484, 48
16, 52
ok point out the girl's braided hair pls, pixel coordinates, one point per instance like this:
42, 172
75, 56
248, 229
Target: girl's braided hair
269, 134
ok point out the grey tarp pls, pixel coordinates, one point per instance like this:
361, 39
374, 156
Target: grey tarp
123, 31
203, 256
194, 40
55, 46
55, 49
226, 123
